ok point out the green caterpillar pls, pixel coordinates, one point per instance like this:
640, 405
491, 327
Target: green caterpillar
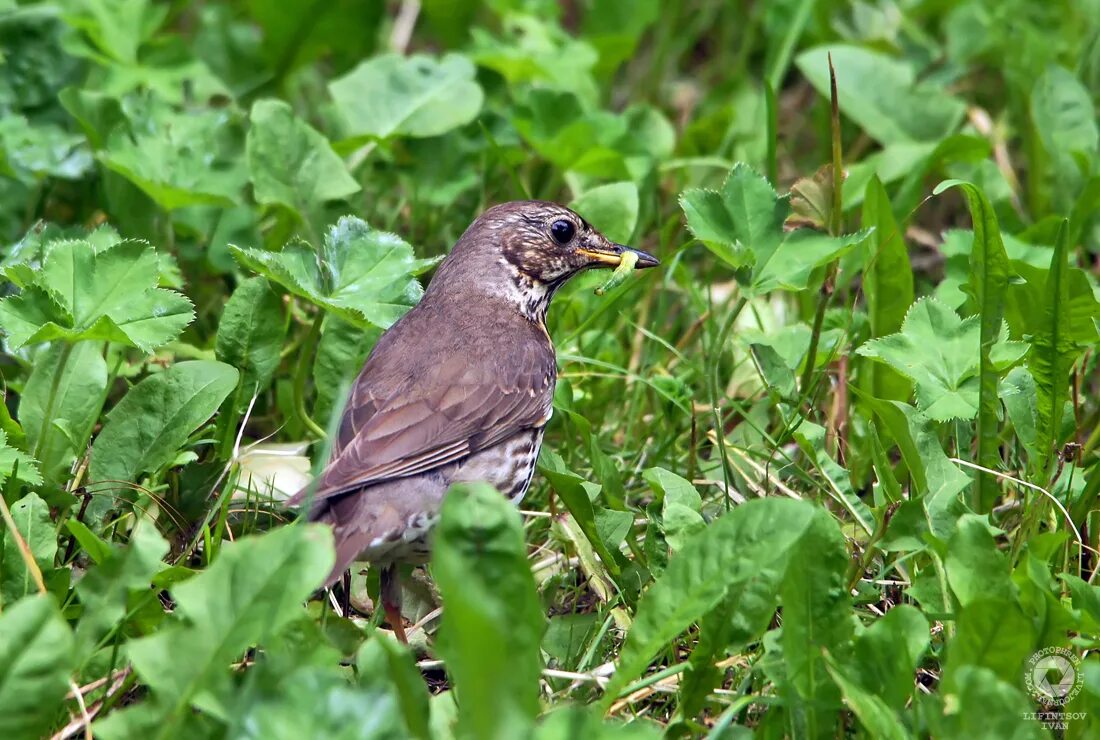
625, 267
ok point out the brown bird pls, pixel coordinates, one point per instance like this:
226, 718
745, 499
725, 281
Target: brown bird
459, 389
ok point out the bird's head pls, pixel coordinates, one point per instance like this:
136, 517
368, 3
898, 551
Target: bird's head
523, 251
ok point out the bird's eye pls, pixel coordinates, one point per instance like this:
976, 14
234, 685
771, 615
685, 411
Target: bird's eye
562, 231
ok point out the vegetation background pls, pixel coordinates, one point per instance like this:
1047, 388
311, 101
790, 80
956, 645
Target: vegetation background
833, 470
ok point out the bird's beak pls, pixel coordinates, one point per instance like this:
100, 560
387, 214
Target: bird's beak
612, 254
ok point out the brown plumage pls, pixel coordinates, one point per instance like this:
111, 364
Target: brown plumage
459, 389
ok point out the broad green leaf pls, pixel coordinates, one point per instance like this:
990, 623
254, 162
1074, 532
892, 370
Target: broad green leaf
976, 569
811, 439
147, 428
291, 163
743, 226
756, 536
985, 705
939, 352
33, 153
993, 634
1054, 349
612, 208
572, 490
887, 284
873, 713
885, 656
340, 356
32, 519
86, 292
989, 276
35, 660
251, 332
116, 28
253, 589
70, 406
1064, 115
391, 95
533, 49
493, 622
1018, 393
817, 619
105, 588
364, 276
680, 505
180, 159
384, 662
882, 94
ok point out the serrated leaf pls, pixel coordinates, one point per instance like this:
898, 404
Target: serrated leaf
940, 353
743, 226
390, 95
291, 163
364, 276
86, 291
14, 461
35, 660
493, 622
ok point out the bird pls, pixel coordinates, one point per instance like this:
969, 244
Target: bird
459, 389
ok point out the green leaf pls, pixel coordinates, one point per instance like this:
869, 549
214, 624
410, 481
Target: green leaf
253, 589
384, 661
340, 356
571, 488
612, 208
817, 619
292, 164
493, 622
1054, 350
105, 589
78, 397
680, 505
984, 705
743, 226
873, 713
390, 95
180, 159
86, 292
14, 461
993, 634
251, 333
146, 429
976, 569
887, 284
571, 722
989, 275
32, 519
939, 352
35, 660
885, 656
362, 275
755, 537
1018, 393
1064, 114
881, 94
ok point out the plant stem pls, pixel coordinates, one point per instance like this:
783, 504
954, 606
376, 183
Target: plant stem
301, 372
51, 399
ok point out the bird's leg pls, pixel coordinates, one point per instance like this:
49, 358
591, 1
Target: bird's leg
390, 596
345, 602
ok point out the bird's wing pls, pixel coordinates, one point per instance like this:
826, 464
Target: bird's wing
449, 413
